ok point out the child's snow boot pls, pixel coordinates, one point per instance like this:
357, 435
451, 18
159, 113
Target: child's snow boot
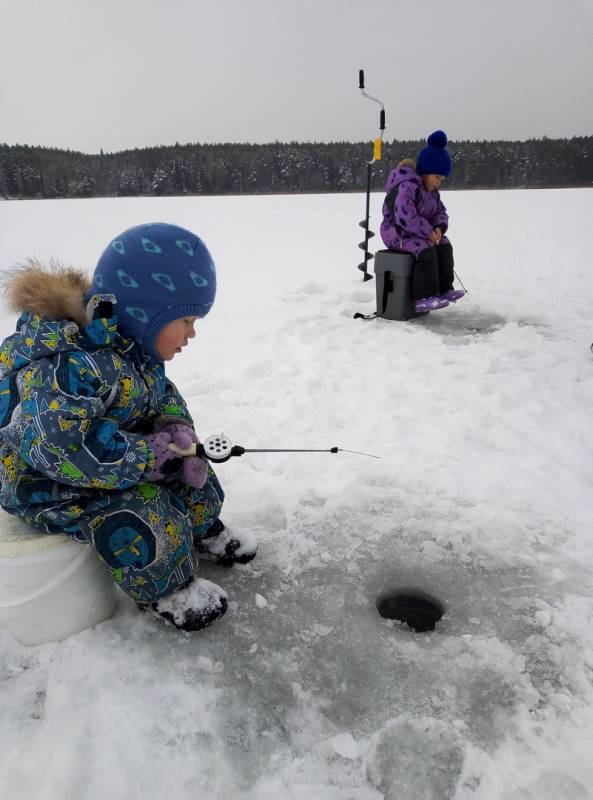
430, 304
198, 604
220, 545
453, 295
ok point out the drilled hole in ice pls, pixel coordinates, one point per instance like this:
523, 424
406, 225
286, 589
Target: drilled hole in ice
415, 608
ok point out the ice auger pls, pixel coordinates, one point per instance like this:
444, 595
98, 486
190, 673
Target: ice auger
368, 234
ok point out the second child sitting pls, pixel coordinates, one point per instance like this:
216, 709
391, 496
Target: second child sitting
415, 221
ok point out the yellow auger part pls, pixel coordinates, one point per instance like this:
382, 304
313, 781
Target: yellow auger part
377, 150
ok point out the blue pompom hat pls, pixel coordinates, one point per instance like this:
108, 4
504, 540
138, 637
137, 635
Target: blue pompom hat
434, 158
158, 273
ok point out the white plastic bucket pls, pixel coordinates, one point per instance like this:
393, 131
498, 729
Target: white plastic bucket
50, 586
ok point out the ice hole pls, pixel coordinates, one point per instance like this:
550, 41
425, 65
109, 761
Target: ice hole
418, 610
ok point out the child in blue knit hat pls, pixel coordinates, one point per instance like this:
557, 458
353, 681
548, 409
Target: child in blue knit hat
415, 221
88, 417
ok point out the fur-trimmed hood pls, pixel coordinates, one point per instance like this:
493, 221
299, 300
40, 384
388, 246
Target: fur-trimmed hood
407, 162
55, 316
53, 292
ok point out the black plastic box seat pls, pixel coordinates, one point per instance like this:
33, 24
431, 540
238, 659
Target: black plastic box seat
393, 277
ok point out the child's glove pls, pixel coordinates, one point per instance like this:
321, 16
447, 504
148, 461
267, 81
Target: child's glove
194, 470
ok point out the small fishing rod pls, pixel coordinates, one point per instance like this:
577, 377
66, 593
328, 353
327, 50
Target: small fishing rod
219, 448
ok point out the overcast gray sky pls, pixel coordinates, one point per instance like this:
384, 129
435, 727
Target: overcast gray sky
115, 74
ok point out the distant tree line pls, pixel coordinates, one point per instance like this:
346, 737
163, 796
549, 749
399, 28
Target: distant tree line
193, 169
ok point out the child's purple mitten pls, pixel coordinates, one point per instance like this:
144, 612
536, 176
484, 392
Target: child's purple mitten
181, 434
194, 471
166, 462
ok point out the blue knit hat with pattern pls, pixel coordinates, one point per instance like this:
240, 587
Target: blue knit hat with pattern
158, 273
434, 158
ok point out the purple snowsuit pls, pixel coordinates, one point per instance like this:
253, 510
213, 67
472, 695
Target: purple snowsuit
417, 212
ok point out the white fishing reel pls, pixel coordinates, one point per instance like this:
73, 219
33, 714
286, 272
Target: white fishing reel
219, 448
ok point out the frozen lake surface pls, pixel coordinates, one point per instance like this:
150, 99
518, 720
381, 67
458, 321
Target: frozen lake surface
482, 416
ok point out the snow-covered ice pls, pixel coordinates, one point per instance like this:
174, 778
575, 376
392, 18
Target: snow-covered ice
482, 416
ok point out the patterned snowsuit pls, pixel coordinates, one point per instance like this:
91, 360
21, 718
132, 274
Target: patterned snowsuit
76, 401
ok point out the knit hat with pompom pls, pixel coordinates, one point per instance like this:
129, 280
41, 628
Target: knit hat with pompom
434, 158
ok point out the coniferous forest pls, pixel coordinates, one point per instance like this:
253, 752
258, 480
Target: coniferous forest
192, 169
